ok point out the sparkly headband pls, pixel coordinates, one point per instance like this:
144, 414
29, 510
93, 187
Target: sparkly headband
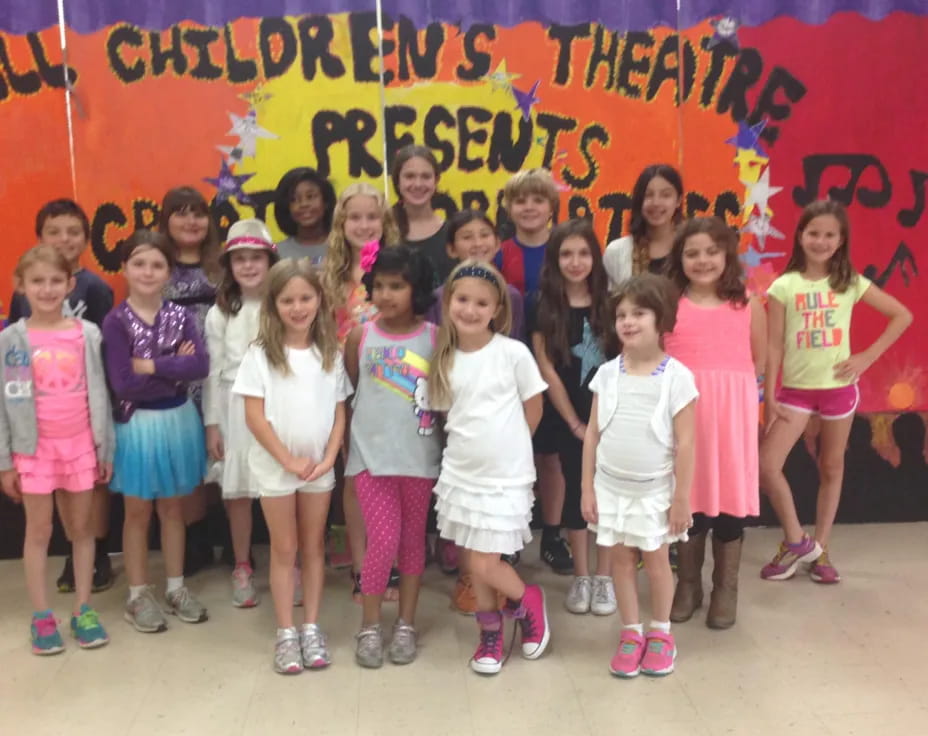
251, 240
476, 272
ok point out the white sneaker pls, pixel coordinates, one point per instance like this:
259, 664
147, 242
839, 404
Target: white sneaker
603, 603
580, 594
244, 594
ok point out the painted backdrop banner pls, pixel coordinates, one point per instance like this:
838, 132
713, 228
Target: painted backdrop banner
763, 113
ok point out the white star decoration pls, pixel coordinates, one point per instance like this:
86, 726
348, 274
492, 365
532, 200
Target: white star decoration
761, 228
248, 131
759, 194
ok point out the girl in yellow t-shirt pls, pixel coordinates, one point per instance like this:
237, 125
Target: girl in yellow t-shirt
810, 308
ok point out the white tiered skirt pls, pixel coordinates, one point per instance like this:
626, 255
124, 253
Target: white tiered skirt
633, 513
490, 519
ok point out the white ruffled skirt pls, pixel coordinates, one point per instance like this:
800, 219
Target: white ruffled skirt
233, 472
490, 519
633, 513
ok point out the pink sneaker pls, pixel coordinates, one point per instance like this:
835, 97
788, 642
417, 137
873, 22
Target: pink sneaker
660, 652
627, 659
534, 621
823, 571
789, 557
488, 659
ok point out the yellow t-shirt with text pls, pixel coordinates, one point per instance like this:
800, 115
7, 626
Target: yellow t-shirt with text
817, 331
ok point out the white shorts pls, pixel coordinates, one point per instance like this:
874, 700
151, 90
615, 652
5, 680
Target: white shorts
283, 492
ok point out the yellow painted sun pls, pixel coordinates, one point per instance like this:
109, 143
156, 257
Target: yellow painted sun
291, 111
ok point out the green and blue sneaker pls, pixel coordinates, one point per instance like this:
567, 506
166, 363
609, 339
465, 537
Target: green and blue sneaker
87, 629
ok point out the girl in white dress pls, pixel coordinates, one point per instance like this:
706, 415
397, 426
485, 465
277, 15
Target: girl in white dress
491, 389
638, 466
231, 326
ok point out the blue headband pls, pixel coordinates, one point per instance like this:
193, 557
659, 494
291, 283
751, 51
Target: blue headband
475, 272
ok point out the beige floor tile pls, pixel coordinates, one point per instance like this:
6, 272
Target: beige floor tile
906, 720
754, 722
803, 659
327, 699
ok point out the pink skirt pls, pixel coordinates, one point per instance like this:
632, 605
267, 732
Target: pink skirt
64, 463
725, 476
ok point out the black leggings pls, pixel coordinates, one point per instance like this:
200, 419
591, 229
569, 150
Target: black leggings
725, 528
570, 451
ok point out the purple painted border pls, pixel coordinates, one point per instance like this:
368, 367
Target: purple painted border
87, 16
813, 12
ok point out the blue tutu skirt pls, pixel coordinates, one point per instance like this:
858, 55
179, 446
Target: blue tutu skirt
160, 453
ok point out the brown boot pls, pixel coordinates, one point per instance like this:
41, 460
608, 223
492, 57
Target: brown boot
724, 600
688, 595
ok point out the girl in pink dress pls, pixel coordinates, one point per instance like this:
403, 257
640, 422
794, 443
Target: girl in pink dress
720, 336
56, 437
361, 216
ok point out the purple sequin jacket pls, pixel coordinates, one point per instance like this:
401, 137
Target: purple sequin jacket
127, 336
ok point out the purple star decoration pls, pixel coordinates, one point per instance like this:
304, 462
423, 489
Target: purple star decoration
229, 185
526, 100
748, 137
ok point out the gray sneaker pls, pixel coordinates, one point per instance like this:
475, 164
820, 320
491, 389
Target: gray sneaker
145, 614
288, 658
603, 603
244, 594
369, 652
187, 608
580, 594
315, 652
403, 645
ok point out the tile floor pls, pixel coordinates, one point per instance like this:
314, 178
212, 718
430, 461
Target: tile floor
803, 659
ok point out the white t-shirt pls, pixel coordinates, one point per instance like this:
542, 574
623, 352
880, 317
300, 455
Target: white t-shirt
300, 407
630, 444
489, 442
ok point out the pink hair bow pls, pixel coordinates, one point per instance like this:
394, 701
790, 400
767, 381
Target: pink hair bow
369, 255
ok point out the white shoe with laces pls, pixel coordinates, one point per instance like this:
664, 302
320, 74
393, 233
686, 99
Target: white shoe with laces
603, 603
580, 595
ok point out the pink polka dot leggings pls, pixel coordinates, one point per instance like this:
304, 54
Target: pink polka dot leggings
395, 508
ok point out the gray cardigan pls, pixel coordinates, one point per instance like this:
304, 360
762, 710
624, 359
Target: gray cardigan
18, 425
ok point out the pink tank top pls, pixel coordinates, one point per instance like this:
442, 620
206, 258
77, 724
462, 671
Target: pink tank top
59, 382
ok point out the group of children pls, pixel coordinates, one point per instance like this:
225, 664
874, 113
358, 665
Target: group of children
620, 386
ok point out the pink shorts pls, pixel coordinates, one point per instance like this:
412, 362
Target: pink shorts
828, 403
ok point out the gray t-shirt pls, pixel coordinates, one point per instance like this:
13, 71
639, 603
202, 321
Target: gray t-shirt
293, 248
393, 430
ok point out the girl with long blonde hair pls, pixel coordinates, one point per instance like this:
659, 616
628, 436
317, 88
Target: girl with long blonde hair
491, 389
294, 386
